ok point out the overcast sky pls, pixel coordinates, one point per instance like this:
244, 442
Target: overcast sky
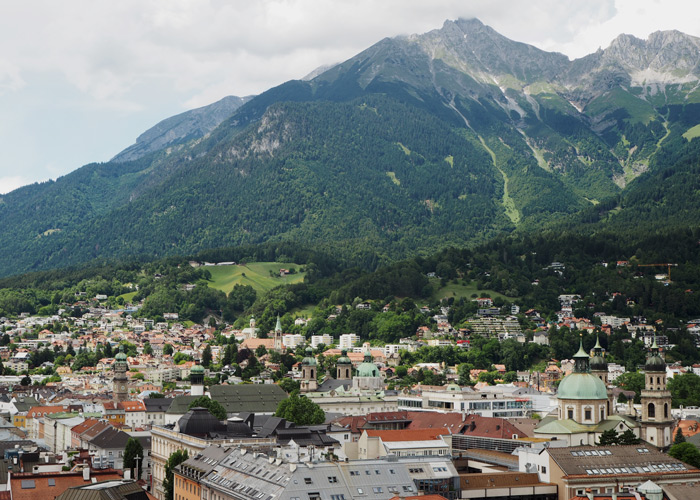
81, 79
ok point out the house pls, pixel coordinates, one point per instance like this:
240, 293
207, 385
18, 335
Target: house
379, 443
33, 486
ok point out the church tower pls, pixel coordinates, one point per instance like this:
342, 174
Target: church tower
309, 372
343, 366
657, 422
119, 382
277, 345
599, 368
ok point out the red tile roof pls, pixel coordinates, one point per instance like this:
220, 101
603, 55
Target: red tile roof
407, 435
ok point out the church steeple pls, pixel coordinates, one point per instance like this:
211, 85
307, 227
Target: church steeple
581, 359
277, 336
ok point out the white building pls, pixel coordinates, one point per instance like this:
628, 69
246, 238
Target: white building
348, 340
325, 339
291, 341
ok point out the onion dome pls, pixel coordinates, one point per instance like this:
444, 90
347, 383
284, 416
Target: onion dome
655, 363
121, 356
343, 359
309, 360
367, 368
197, 369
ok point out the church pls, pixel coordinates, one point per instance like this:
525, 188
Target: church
585, 406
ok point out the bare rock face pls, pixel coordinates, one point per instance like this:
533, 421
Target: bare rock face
181, 128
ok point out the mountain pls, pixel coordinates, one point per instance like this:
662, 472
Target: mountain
416, 143
181, 128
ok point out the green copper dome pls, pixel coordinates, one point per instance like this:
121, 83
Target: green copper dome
197, 369
343, 359
367, 368
582, 386
309, 360
120, 357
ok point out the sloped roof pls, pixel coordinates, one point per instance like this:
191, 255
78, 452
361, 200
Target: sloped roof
157, 404
633, 459
407, 435
110, 439
106, 490
255, 398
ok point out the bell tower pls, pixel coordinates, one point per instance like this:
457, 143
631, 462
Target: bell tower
277, 345
120, 389
657, 422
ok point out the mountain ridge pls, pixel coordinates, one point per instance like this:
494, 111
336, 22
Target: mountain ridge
414, 144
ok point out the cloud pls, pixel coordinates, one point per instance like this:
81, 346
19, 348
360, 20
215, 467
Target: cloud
10, 183
131, 63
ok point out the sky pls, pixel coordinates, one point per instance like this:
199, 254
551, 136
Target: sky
81, 79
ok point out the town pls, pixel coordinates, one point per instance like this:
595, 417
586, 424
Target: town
199, 411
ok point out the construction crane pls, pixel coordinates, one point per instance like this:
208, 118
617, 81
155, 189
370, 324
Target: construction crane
666, 264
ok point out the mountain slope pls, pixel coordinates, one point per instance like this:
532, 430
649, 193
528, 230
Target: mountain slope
181, 128
416, 143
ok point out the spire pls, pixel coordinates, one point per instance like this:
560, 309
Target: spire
581, 359
597, 346
654, 346
278, 325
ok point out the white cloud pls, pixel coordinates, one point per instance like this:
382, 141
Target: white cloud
129, 63
10, 183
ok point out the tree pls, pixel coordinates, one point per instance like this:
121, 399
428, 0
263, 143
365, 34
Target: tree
300, 410
206, 357
686, 452
175, 459
679, 438
214, 407
26, 380
632, 381
168, 349
133, 457
628, 437
147, 349
608, 438
289, 385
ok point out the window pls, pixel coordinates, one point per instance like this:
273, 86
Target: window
570, 414
544, 469
392, 471
332, 479
354, 472
307, 480
587, 414
377, 489
360, 491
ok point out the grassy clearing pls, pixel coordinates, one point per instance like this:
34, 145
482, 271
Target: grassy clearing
255, 274
128, 297
393, 178
692, 132
459, 290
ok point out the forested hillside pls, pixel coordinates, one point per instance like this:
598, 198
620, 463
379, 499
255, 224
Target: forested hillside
418, 143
